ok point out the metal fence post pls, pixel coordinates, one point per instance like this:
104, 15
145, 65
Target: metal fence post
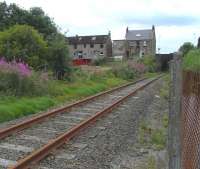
174, 131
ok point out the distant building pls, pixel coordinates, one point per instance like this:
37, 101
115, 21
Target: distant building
119, 48
140, 42
84, 49
137, 43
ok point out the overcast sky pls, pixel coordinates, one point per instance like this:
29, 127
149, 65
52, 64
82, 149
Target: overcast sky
176, 21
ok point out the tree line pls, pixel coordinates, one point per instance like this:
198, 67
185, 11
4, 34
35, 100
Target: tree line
32, 36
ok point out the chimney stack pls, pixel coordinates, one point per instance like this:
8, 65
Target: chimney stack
127, 29
153, 28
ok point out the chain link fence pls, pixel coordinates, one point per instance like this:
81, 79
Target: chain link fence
190, 125
184, 117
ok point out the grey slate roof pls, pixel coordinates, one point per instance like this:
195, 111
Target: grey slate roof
146, 34
94, 39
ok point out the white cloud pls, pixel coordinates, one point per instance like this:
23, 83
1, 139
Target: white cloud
99, 16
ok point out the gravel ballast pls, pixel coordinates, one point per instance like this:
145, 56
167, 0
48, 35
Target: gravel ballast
21, 144
112, 142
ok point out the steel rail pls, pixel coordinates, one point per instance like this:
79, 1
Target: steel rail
27, 123
39, 154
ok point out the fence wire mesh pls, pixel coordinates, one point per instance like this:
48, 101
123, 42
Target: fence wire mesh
190, 121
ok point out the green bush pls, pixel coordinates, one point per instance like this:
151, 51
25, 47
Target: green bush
99, 61
186, 47
191, 61
23, 42
150, 63
124, 71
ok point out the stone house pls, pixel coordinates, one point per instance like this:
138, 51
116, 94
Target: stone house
137, 43
140, 42
84, 49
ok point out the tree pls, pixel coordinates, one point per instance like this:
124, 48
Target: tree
186, 47
23, 42
41, 22
11, 15
58, 56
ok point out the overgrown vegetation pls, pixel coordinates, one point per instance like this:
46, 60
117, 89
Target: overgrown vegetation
18, 80
150, 63
191, 61
150, 136
151, 162
186, 47
164, 91
82, 85
153, 132
99, 61
32, 37
128, 70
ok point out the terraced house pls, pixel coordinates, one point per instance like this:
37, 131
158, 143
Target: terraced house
84, 49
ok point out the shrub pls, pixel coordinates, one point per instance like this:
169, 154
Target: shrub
128, 70
99, 61
17, 79
186, 47
150, 63
192, 60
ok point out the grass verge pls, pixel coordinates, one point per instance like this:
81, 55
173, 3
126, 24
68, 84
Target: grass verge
14, 107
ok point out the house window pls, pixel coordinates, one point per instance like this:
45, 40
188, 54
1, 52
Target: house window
145, 43
92, 45
84, 45
75, 46
80, 54
101, 45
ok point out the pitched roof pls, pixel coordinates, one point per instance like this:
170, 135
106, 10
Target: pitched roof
94, 39
146, 34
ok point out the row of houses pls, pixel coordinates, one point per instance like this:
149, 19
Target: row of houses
137, 43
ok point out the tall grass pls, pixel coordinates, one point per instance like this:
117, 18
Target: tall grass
191, 61
14, 107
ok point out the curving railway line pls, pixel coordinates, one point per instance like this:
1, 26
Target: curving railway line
25, 144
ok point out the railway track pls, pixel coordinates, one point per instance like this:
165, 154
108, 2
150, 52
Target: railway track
25, 144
